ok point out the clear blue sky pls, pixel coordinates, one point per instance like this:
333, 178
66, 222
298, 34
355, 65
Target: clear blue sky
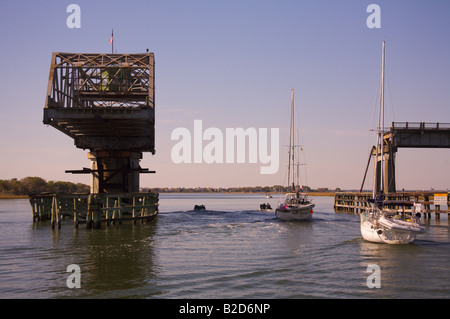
233, 64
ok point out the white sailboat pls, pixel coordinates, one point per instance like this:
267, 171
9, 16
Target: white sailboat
379, 224
296, 204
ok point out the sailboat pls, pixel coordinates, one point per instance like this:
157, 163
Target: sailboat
380, 224
296, 205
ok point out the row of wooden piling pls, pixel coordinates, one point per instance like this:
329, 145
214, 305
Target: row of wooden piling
93, 209
357, 202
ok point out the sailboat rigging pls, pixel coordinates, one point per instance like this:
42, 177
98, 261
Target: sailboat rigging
296, 205
380, 224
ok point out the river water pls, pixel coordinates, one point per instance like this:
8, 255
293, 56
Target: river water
231, 250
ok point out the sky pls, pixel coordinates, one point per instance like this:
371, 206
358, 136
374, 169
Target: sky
232, 64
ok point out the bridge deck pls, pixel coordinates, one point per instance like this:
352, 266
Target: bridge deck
103, 101
419, 135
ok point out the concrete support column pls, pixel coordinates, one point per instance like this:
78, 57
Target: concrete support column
115, 172
389, 173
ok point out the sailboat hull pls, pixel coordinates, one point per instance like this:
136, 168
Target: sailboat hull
370, 233
299, 213
388, 231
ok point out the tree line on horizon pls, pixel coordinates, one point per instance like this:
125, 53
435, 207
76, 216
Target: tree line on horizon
37, 185
243, 189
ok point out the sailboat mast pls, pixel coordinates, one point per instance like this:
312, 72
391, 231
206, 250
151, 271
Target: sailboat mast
298, 159
291, 146
382, 121
380, 131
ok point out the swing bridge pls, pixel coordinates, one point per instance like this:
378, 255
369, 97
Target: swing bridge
106, 104
401, 135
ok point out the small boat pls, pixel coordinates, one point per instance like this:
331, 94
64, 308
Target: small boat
199, 207
296, 205
380, 224
265, 207
268, 196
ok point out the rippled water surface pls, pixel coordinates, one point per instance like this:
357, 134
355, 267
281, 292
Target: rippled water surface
231, 250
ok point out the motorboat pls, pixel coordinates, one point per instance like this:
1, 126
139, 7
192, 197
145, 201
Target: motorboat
265, 207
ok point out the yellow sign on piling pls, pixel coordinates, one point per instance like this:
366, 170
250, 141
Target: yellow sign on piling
440, 199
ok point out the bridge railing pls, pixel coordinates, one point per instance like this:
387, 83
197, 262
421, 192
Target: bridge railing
84, 80
419, 126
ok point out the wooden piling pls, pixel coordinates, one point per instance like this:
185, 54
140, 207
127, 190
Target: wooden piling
119, 212
357, 202
75, 213
93, 209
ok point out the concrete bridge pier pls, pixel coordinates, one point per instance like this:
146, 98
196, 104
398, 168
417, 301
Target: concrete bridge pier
389, 184
115, 172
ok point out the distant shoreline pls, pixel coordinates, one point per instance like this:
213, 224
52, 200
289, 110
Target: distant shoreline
13, 196
329, 194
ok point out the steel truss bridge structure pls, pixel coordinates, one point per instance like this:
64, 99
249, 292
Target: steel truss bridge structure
106, 103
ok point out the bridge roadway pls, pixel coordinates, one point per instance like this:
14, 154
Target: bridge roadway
419, 135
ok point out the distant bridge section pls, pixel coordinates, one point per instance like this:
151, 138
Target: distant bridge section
419, 135
406, 135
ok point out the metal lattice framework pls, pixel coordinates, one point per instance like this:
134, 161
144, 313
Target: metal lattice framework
104, 102
101, 80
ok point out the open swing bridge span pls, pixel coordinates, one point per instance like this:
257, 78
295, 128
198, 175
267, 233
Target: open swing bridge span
103, 101
106, 104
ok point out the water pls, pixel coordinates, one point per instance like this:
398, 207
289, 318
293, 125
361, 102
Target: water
231, 250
